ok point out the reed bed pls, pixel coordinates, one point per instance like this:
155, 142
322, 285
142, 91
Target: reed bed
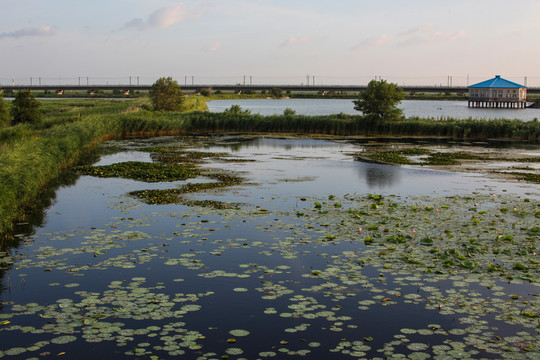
31, 156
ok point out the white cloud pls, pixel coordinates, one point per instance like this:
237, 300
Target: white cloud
460, 34
372, 42
162, 18
419, 35
213, 47
295, 41
29, 32
168, 16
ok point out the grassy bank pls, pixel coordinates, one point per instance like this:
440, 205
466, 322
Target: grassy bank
30, 156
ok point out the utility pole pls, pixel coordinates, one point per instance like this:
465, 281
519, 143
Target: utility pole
313, 82
192, 80
30, 81
244, 80
250, 80
307, 79
137, 81
525, 81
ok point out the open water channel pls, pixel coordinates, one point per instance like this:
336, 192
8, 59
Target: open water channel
422, 108
314, 255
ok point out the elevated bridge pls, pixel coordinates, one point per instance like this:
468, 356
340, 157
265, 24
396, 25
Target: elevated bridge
243, 88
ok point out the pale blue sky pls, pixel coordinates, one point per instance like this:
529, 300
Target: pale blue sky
275, 41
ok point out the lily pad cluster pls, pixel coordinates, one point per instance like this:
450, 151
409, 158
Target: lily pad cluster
149, 172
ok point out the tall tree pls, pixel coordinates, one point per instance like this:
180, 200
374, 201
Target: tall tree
25, 108
380, 101
166, 95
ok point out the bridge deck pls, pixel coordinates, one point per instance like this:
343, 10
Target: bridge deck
296, 88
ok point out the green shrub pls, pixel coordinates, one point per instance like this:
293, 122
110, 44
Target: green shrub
236, 109
206, 92
289, 112
25, 108
276, 93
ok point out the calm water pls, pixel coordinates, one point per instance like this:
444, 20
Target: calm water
107, 276
424, 108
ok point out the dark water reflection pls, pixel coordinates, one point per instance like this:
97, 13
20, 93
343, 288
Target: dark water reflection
379, 177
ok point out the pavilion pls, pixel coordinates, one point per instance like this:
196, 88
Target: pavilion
497, 93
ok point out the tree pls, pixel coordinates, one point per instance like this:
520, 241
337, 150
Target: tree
166, 95
380, 101
25, 108
4, 113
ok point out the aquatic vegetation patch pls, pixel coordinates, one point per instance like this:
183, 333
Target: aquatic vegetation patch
529, 177
174, 196
185, 156
423, 156
142, 171
99, 317
426, 156
392, 156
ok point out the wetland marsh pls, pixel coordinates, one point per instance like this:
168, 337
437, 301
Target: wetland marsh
280, 248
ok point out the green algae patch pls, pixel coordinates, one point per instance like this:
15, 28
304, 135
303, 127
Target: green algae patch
529, 177
174, 156
142, 171
174, 196
392, 156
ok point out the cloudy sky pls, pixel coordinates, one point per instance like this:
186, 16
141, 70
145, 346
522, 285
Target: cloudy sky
274, 41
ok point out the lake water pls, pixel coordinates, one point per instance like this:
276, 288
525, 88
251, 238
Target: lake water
286, 272
423, 108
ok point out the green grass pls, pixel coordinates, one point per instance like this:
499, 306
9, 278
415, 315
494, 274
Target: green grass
31, 156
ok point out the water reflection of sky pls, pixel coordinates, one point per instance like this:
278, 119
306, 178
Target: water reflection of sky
326, 169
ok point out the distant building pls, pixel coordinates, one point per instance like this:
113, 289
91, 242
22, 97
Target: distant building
497, 93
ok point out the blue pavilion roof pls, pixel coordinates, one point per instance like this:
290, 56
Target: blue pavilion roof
497, 82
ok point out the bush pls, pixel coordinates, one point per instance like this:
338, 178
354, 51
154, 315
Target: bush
276, 93
206, 92
166, 95
4, 113
25, 108
289, 112
236, 109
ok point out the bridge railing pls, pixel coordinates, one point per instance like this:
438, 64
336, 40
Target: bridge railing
262, 80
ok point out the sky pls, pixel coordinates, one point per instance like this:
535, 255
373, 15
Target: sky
412, 42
